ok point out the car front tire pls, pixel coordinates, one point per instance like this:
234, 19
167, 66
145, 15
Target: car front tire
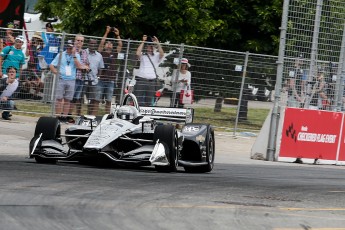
167, 135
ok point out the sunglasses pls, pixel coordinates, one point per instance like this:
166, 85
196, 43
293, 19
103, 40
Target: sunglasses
80, 40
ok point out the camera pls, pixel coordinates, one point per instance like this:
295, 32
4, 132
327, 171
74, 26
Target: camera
86, 71
149, 39
112, 29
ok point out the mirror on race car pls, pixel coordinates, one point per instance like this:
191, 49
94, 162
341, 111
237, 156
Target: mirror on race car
90, 117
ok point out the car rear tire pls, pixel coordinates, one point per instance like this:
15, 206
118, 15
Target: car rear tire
167, 135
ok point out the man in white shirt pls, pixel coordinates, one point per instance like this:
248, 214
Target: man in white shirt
145, 87
8, 85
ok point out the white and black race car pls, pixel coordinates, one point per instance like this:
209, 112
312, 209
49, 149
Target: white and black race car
131, 135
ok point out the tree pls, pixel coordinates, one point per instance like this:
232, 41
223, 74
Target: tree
250, 25
88, 16
242, 25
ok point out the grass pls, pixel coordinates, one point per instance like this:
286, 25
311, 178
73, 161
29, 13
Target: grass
226, 119
222, 121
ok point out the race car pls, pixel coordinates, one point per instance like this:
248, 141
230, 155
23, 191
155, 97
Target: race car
130, 135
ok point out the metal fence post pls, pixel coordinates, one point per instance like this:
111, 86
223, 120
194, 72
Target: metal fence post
125, 70
272, 138
340, 76
241, 91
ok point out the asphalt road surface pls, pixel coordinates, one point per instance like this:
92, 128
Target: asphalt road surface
239, 193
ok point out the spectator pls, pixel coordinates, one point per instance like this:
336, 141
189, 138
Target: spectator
183, 80
8, 85
318, 94
296, 96
51, 44
49, 32
13, 56
302, 74
70, 61
32, 81
96, 64
80, 77
9, 38
107, 80
146, 76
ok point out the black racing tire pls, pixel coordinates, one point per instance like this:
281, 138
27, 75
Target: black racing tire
210, 154
51, 130
49, 127
167, 134
210, 151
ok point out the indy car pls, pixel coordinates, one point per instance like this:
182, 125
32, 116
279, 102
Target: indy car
130, 135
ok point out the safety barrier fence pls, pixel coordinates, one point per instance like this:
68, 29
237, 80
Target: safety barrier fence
310, 78
232, 90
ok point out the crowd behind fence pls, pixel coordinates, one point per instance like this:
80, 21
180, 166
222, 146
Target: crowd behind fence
314, 46
218, 77
311, 64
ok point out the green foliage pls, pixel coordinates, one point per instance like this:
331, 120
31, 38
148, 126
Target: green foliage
242, 25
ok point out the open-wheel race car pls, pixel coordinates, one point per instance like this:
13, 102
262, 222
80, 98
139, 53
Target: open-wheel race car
131, 135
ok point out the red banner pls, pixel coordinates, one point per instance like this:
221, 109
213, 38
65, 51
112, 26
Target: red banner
12, 11
310, 134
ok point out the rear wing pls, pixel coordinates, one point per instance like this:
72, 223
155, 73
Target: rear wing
170, 114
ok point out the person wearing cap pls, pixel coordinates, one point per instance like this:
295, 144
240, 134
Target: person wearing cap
33, 84
78, 96
66, 71
13, 56
146, 76
183, 77
8, 85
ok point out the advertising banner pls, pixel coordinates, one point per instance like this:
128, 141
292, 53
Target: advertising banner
313, 134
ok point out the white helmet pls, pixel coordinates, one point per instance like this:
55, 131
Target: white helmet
127, 112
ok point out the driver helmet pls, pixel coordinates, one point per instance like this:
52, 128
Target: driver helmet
127, 112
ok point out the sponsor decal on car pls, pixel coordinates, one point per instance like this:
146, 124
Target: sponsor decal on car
163, 111
191, 129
